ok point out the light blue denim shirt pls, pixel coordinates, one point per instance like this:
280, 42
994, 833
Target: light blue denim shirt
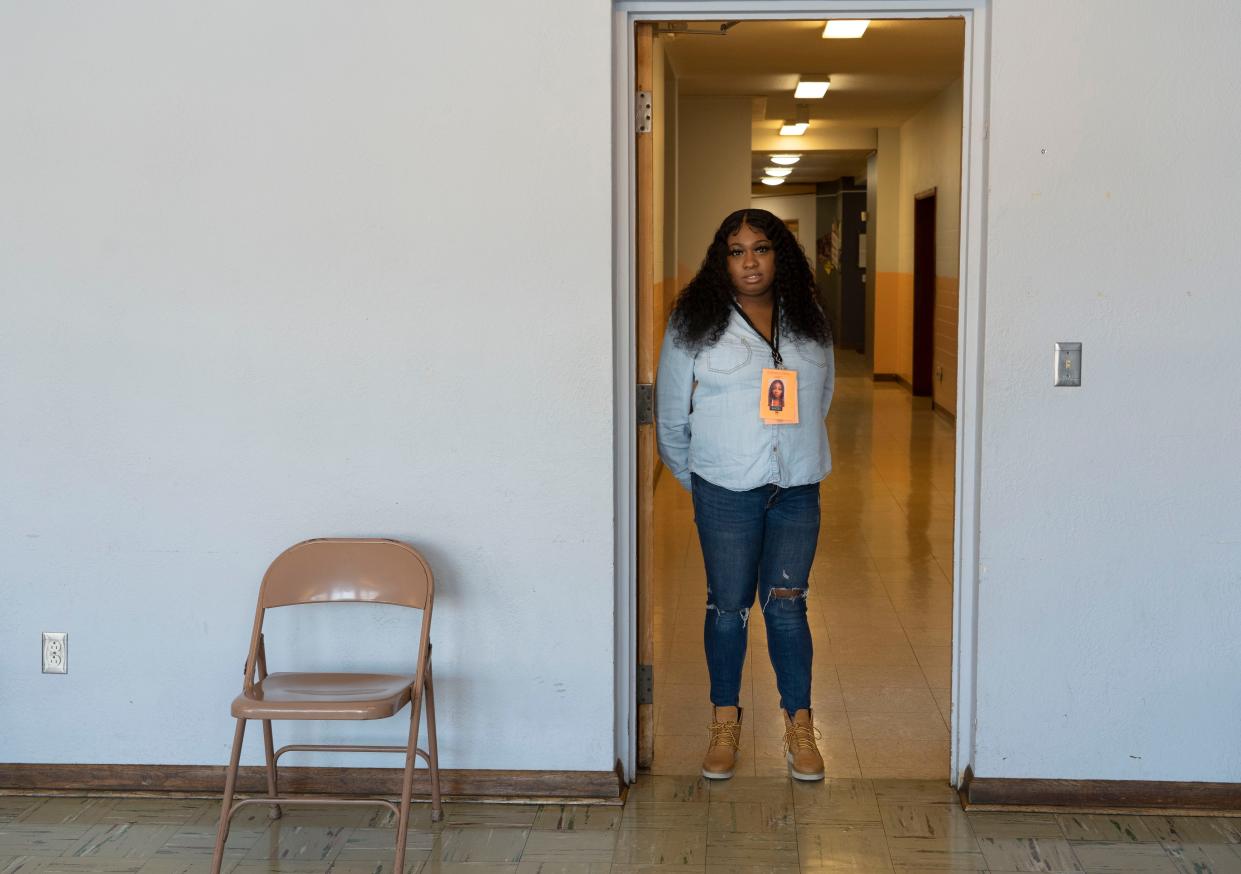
706, 407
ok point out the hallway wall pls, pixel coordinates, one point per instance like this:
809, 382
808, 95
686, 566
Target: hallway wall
931, 158
241, 277
927, 153
886, 192
1110, 525
713, 172
801, 207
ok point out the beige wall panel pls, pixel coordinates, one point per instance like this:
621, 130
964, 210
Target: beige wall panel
800, 207
713, 167
885, 226
930, 157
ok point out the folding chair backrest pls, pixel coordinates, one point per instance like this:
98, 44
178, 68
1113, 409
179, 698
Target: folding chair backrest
375, 571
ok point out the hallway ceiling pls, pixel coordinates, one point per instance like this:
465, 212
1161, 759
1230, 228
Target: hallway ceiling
880, 80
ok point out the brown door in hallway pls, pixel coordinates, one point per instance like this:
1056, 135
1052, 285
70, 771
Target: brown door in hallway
647, 333
924, 293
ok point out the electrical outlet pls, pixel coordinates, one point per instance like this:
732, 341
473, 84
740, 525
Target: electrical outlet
55, 652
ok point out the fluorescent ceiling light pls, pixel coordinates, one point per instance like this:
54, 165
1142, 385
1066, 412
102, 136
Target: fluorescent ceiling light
794, 128
785, 160
778, 171
846, 28
811, 89
771, 180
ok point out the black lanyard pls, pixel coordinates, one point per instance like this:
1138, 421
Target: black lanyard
774, 342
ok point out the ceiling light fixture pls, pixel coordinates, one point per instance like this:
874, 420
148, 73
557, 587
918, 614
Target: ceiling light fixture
771, 180
793, 128
846, 28
778, 171
812, 87
785, 160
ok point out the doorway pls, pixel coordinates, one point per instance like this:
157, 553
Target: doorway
963, 496
924, 294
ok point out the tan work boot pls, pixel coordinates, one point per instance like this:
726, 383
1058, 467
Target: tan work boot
804, 760
721, 758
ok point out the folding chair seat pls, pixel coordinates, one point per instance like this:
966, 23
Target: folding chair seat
336, 571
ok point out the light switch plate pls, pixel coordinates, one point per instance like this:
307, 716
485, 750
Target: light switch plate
1069, 364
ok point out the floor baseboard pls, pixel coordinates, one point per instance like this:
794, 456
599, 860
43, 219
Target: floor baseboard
1100, 796
209, 780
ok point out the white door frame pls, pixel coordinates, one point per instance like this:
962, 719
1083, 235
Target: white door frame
970, 326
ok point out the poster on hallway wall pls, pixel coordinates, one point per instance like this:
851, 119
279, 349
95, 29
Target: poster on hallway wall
828, 250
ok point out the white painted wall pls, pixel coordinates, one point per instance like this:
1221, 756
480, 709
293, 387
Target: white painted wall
713, 171
237, 284
1111, 516
243, 304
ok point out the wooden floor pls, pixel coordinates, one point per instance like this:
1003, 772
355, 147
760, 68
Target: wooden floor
880, 603
669, 824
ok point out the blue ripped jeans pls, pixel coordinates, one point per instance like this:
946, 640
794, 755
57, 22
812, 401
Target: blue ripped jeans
753, 542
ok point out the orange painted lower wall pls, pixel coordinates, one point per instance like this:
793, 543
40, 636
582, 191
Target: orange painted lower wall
887, 338
894, 330
944, 364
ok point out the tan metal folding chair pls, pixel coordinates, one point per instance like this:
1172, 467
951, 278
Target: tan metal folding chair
337, 570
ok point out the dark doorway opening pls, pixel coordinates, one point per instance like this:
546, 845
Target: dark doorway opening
924, 293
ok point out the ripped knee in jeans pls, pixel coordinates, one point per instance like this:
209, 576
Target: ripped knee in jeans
722, 615
786, 595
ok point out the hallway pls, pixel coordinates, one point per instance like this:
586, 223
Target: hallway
880, 606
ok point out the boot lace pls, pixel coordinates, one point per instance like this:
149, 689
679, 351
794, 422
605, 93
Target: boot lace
725, 734
799, 736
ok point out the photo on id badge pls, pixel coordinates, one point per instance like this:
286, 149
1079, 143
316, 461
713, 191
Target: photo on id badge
777, 398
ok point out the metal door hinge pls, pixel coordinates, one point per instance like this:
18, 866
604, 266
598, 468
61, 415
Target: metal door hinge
646, 684
643, 112
646, 403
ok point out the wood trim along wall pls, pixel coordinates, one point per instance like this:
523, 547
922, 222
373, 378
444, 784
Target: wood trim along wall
1102, 796
893, 377
209, 780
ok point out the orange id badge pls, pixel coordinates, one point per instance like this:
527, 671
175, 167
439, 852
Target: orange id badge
777, 398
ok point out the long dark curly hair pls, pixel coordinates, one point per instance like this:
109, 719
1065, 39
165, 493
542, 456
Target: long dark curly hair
702, 309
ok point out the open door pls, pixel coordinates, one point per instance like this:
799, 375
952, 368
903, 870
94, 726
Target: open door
924, 294
646, 336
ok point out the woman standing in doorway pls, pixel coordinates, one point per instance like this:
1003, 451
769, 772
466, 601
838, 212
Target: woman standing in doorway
748, 319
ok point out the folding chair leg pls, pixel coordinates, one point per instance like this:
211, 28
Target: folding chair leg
269, 748
433, 760
230, 784
407, 785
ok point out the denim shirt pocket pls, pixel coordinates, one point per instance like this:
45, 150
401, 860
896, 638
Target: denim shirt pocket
728, 355
812, 353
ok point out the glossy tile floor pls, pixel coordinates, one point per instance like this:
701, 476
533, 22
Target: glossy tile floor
748, 825
880, 603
